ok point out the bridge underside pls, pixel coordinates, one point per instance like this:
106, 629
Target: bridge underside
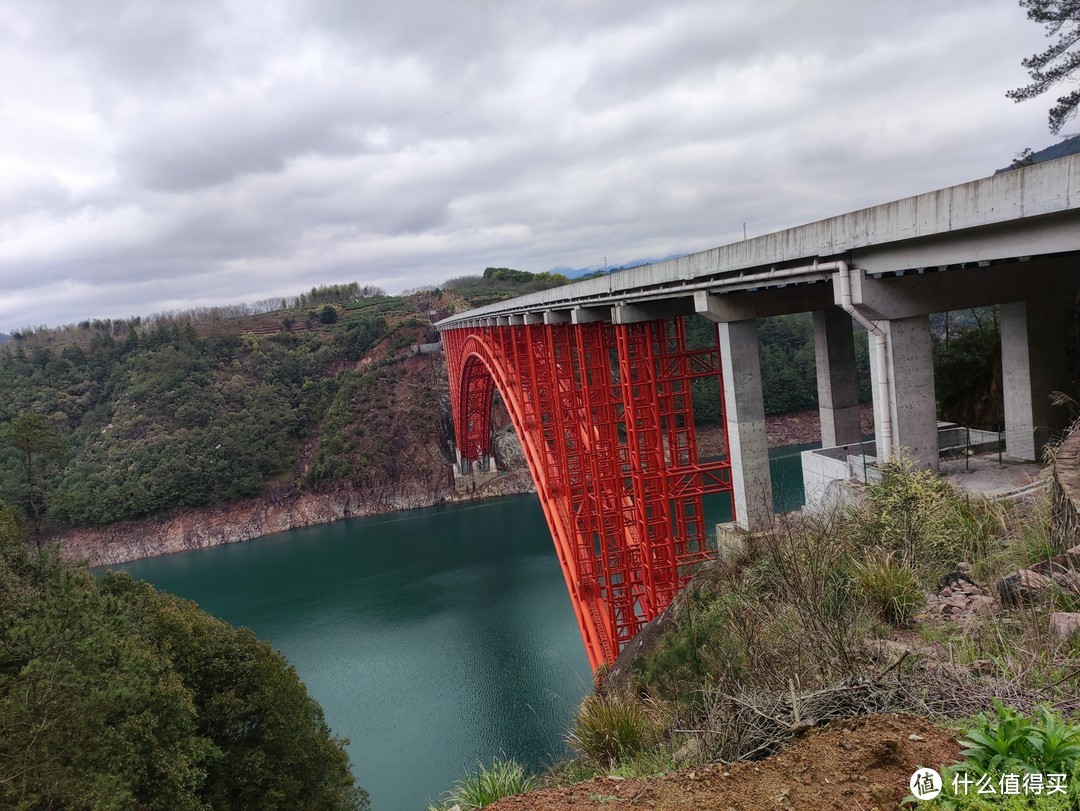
605, 417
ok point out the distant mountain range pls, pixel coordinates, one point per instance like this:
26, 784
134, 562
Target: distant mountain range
603, 270
1062, 149
4, 338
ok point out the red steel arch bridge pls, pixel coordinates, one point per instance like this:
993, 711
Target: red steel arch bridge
596, 375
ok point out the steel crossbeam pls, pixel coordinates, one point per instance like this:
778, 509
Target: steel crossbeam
605, 417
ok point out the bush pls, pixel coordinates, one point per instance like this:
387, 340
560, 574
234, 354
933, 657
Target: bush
916, 514
481, 788
610, 728
113, 695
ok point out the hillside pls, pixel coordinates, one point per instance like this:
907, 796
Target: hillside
289, 412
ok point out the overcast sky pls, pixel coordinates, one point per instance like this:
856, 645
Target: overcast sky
158, 154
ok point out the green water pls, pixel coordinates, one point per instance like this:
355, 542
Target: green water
432, 638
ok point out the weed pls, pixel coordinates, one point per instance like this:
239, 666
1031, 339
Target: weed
611, 728
1013, 742
890, 586
484, 786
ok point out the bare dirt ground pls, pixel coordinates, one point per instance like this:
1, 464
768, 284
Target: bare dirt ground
861, 764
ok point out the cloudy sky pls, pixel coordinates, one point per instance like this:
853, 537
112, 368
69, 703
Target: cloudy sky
158, 155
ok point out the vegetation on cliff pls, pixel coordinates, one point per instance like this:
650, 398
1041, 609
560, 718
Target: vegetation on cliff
113, 695
103, 421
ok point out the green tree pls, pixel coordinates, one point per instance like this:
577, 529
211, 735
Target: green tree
113, 695
1058, 62
33, 438
328, 315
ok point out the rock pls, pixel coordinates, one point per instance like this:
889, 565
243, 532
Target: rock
1064, 623
507, 451
980, 604
1024, 586
965, 568
689, 752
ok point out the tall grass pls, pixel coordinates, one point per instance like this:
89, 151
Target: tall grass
483, 787
890, 586
610, 728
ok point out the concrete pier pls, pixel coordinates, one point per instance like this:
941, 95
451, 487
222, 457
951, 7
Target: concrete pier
748, 445
838, 388
1034, 363
912, 405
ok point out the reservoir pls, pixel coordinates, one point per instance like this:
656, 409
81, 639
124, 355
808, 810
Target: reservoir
433, 638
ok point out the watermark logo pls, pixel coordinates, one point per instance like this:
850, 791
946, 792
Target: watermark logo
925, 784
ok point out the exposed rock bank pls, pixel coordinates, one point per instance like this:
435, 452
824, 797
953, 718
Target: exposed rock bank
284, 508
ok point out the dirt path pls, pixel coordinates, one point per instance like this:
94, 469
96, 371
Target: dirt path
860, 764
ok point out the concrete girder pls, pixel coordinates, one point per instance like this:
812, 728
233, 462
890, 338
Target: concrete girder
635, 312
557, 316
764, 303
533, 318
589, 315
921, 294
1031, 236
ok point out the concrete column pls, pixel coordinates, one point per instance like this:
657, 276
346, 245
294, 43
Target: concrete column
1033, 364
838, 388
749, 449
912, 405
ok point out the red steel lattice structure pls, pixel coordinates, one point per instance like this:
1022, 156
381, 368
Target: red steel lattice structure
605, 419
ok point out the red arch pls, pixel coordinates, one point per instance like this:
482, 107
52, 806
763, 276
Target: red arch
605, 421
477, 352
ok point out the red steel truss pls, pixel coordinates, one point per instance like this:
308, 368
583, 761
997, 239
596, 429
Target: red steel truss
605, 419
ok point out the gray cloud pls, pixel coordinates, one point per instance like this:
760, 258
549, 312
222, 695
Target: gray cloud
158, 155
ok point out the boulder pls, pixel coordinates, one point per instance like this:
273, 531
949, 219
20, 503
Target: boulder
1038, 581
1065, 624
1025, 586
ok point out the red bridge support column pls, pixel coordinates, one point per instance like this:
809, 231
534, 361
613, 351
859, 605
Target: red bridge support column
605, 419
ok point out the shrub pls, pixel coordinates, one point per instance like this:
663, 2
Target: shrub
915, 514
609, 728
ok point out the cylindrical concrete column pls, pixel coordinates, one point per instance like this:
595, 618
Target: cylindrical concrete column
748, 446
1034, 363
838, 389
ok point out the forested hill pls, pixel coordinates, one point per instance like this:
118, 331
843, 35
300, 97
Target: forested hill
129, 419
114, 420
